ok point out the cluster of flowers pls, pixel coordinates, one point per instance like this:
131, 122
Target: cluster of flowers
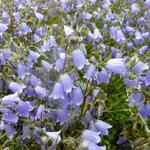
50, 77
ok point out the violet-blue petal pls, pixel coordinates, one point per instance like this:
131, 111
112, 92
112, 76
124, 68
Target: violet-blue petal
79, 59
55, 136
140, 67
10, 130
24, 108
39, 16
102, 77
15, 87
10, 117
3, 28
136, 98
90, 73
2, 125
36, 38
117, 65
47, 66
21, 71
102, 127
68, 31
12, 97
77, 96
41, 109
130, 83
66, 82
147, 77
58, 91
6, 18
25, 28
17, 16
91, 136
60, 62
62, 116
40, 91
145, 111
143, 49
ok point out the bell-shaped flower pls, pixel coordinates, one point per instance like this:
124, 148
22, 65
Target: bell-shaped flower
68, 31
39, 16
66, 82
102, 127
15, 87
39, 112
58, 91
62, 116
6, 18
10, 131
140, 67
9, 116
90, 73
130, 83
79, 59
36, 38
12, 97
102, 77
17, 16
116, 65
147, 78
47, 66
55, 136
92, 136
135, 8
2, 125
136, 98
145, 111
40, 91
25, 28
147, 3
60, 62
23, 108
143, 49
3, 28
77, 96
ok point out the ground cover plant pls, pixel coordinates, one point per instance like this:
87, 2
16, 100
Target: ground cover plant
75, 74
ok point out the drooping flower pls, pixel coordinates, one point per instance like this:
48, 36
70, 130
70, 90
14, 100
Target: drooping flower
79, 59
39, 16
117, 65
23, 109
77, 96
58, 91
15, 87
145, 111
90, 73
140, 67
60, 62
17, 16
102, 127
68, 31
9, 116
6, 18
66, 82
147, 78
136, 98
25, 28
3, 28
10, 130
102, 77
40, 110
62, 116
55, 137
143, 49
